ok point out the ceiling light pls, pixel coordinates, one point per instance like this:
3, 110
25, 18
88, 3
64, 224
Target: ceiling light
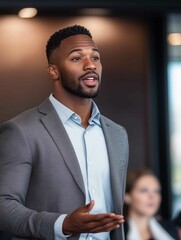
27, 12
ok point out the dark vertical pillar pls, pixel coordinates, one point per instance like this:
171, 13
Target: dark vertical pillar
159, 95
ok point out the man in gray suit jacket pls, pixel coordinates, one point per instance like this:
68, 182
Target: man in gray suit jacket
63, 164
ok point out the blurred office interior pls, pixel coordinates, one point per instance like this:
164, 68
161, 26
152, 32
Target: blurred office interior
140, 44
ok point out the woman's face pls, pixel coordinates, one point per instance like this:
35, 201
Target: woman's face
144, 199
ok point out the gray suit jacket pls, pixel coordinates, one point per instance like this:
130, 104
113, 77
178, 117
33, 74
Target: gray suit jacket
40, 177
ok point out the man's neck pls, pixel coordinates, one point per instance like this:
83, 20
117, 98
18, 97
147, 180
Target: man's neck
81, 106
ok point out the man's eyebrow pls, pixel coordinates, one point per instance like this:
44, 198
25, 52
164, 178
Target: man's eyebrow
80, 50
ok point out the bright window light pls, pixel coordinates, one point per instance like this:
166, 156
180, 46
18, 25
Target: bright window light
27, 12
174, 39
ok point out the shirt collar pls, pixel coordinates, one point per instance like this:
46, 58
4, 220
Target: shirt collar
66, 114
95, 116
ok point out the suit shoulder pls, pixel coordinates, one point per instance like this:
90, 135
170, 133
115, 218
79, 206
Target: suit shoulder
113, 124
27, 117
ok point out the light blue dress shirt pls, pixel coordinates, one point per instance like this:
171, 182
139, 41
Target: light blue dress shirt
91, 151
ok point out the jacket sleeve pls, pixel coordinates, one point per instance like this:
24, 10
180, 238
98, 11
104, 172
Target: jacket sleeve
15, 174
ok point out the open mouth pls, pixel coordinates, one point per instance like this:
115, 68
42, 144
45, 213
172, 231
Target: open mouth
90, 80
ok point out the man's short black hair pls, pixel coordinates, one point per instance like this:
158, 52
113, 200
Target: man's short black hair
55, 40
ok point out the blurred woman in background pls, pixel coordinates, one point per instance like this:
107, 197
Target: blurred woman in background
142, 201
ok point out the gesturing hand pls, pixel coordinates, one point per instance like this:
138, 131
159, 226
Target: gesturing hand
81, 221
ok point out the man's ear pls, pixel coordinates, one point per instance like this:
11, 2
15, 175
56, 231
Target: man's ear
127, 198
53, 72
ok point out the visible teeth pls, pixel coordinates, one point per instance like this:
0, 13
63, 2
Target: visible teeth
90, 78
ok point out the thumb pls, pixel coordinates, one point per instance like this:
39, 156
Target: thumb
89, 206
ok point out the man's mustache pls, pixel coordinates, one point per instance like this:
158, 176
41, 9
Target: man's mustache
87, 73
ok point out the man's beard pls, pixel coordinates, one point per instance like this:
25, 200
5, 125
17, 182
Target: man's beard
77, 89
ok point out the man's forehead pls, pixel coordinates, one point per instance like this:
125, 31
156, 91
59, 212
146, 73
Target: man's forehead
77, 41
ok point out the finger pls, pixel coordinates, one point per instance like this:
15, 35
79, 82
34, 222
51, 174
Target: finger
120, 218
104, 216
115, 219
104, 227
104, 224
95, 218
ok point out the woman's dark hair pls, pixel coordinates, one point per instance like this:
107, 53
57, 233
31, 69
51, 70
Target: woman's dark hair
133, 176
131, 180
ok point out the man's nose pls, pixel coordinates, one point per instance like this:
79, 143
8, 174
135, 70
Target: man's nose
89, 64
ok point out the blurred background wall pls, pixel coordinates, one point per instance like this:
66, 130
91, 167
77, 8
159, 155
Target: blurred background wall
24, 81
132, 38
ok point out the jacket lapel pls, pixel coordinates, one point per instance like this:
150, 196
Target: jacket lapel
116, 152
54, 126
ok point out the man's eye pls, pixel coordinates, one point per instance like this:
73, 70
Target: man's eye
76, 59
95, 58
